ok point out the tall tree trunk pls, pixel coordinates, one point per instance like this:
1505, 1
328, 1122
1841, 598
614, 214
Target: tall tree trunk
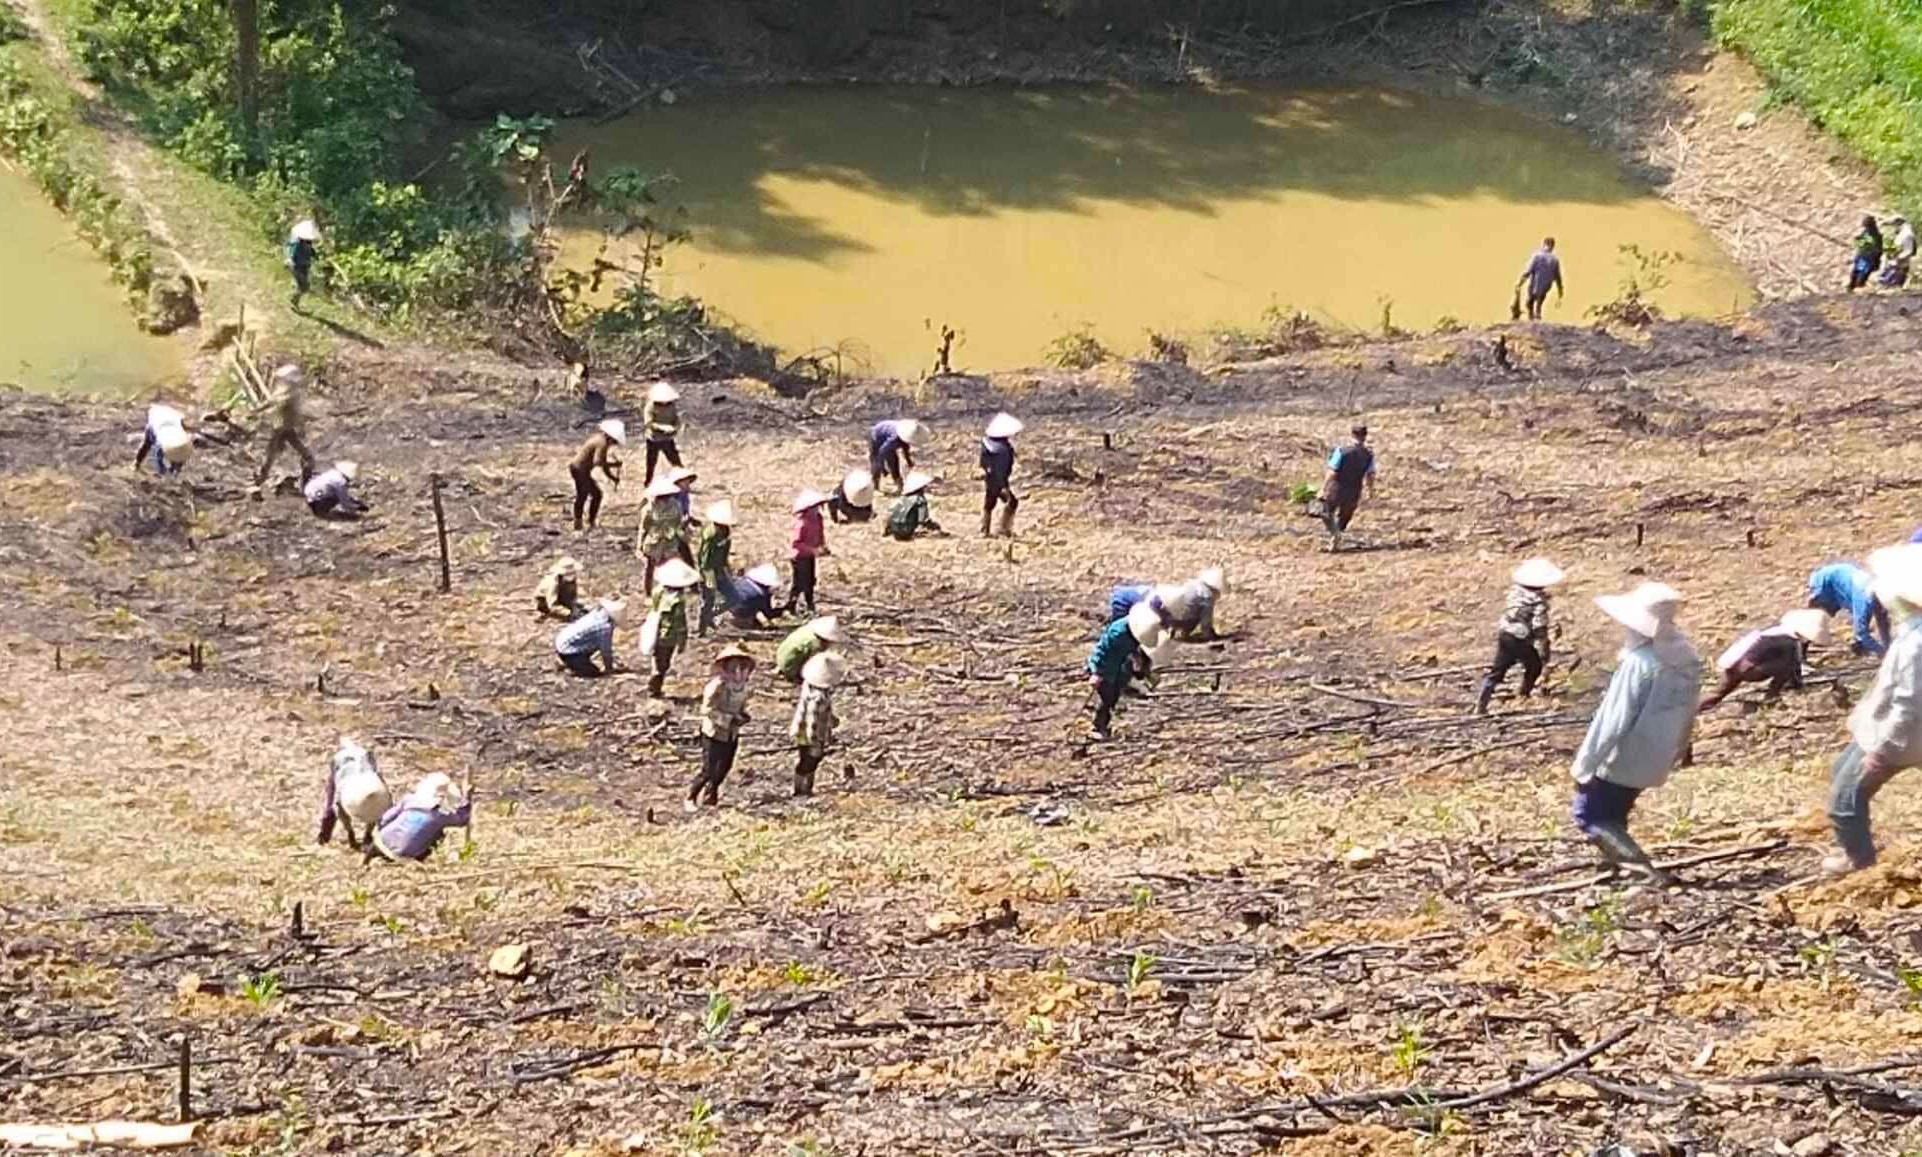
246, 15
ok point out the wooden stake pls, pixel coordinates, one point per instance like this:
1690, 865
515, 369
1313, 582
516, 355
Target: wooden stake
294, 928
186, 1078
440, 532
56, 658
1638, 534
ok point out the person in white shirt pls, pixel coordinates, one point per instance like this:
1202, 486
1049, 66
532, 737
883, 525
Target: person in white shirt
1885, 730
329, 493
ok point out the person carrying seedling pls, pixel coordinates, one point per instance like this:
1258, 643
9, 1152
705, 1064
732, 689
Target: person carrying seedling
1351, 468
1642, 726
560, 589
288, 405
411, 828
803, 643
711, 560
669, 614
330, 494
1521, 635
1885, 730
661, 422
303, 247
663, 530
911, 513
749, 599
166, 439
592, 634
1845, 586
1120, 654
352, 790
596, 453
890, 444
997, 471
813, 726
808, 543
1773, 655
853, 499
723, 712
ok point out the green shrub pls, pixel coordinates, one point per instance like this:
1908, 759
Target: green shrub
1078, 349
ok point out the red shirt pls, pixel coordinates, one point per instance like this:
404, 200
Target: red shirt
810, 536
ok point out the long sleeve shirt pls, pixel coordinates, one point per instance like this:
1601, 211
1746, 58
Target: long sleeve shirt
329, 483
410, 833
711, 558
352, 785
813, 725
1846, 587
810, 536
723, 708
1186, 607
671, 604
997, 460
592, 632
1123, 598
1113, 653
801, 644
660, 420
1525, 614
747, 599
661, 528
909, 515
1643, 722
597, 451
885, 439
1887, 723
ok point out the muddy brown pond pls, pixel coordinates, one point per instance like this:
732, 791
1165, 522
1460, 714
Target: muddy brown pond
864, 219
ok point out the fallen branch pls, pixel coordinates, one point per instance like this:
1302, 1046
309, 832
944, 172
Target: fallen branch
1664, 865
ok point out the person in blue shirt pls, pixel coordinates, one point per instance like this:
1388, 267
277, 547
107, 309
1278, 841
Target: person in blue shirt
1120, 654
997, 469
411, 828
1123, 598
889, 445
1843, 586
1351, 468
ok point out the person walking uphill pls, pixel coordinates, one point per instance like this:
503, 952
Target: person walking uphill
1885, 730
809, 542
166, 439
1351, 469
1844, 586
803, 643
411, 828
592, 634
911, 513
1118, 656
303, 247
1868, 254
1543, 273
667, 631
1522, 634
1774, 656
712, 560
812, 728
661, 422
1642, 726
890, 444
597, 453
723, 712
288, 406
997, 471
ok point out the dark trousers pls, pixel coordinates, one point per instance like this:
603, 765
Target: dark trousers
717, 759
1510, 651
710, 600
587, 496
804, 768
1851, 789
1778, 676
803, 583
581, 664
998, 491
840, 511
1106, 696
1339, 511
658, 448
1601, 812
280, 439
1535, 305
303, 272
885, 465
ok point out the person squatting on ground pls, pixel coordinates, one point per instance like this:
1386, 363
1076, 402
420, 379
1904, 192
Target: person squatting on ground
749, 598
1895, 274
1773, 655
596, 453
303, 247
997, 472
559, 590
1868, 254
1642, 725
807, 544
911, 513
1844, 586
330, 493
1543, 273
1186, 610
889, 445
853, 499
288, 407
723, 713
166, 439
712, 560
1120, 654
669, 614
663, 529
411, 828
592, 634
660, 425
803, 643
812, 728
1351, 468
352, 790
1885, 729
1521, 636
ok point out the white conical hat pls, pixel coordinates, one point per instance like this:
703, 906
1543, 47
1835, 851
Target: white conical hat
348, 470
436, 789
160, 415
683, 475
826, 669
828, 629
1643, 610
766, 575
306, 230
290, 375
662, 487
675, 573
1538, 574
916, 482
616, 610
566, 566
721, 513
858, 488
908, 430
1214, 579
1144, 624
1807, 624
175, 443
1898, 573
662, 392
615, 429
808, 500
1004, 425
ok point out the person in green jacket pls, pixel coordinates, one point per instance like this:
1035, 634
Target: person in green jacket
803, 643
1123, 651
712, 559
911, 513
675, 578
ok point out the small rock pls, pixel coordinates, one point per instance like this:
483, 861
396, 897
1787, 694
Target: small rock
193, 984
1744, 121
1814, 1145
1360, 854
510, 960
941, 923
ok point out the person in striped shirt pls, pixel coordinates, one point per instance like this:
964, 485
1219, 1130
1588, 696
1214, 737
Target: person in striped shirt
1521, 636
591, 634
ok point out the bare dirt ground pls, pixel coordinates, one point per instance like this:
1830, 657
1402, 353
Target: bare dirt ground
1304, 900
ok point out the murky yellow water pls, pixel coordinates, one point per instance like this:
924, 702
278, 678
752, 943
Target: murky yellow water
866, 218
65, 327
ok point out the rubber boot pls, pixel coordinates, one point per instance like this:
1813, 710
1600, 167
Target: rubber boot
654, 683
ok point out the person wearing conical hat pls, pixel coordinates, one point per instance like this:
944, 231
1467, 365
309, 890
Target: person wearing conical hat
1885, 729
1773, 655
997, 472
411, 828
1187, 610
712, 558
749, 599
1843, 586
330, 493
803, 643
812, 728
890, 444
166, 439
560, 589
663, 531
303, 247
596, 453
723, 712
662, 422
1641, 727
853, 499
352, 790
592, 634
670, 608
1521, 635
911, 513
1118, 656
808, 542
287, 405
